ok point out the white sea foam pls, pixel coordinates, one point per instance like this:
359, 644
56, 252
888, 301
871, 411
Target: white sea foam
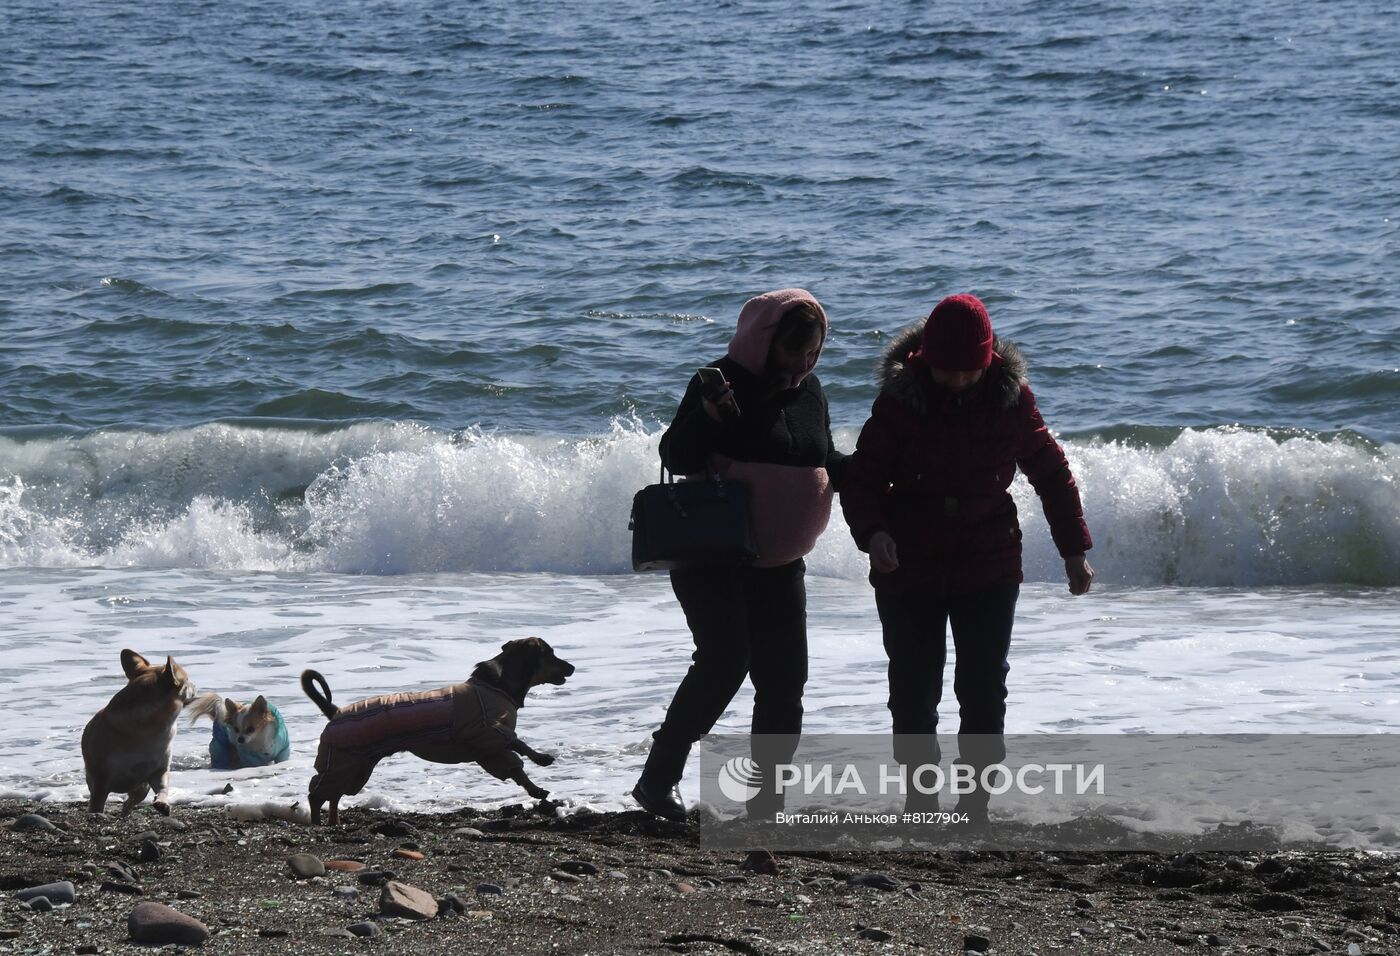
1225, 507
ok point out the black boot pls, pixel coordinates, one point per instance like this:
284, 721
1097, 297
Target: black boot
657, 790
659, 799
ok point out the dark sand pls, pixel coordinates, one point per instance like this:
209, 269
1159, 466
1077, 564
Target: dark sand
657, 891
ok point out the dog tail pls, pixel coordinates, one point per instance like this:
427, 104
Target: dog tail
309, 680
206, 705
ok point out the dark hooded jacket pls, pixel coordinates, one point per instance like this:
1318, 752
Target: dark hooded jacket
933, 467
780, 444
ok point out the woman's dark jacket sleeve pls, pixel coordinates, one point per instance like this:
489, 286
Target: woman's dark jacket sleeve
693, 435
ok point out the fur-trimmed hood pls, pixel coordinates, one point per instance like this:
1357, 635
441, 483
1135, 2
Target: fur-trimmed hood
906, 383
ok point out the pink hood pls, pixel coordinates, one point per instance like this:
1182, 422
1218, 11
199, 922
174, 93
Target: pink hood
758, 320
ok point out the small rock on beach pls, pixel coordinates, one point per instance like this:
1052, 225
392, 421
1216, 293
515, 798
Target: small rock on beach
152, 922
56, 893
408, 902
305, 866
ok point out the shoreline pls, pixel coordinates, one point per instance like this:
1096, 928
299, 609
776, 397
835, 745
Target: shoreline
515, 881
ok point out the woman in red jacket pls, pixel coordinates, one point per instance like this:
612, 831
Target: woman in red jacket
926, 494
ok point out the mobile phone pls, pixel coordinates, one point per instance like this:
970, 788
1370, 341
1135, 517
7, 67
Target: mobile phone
711, 380
714, 387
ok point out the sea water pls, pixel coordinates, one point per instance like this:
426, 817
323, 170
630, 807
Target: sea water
340, 337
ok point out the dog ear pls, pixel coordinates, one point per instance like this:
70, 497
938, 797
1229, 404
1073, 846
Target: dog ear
231, 709
133, 663
259, 707
167, 675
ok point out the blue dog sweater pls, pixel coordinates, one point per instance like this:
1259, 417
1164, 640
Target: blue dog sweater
227, 754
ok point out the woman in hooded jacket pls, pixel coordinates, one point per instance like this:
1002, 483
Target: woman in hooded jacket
769, 427
926, 494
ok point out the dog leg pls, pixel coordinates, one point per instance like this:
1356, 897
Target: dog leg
160, 783
529, 785
525, 750
97, 793
134, 798
335, 812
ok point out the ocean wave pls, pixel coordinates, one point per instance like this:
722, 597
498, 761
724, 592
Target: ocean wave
1215, 507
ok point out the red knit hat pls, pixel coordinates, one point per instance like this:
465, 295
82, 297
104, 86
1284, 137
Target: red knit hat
957, 336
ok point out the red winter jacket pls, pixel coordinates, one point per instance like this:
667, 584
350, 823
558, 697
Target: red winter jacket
933, 467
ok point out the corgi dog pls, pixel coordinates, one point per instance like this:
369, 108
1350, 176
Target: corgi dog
244, 736
126, 745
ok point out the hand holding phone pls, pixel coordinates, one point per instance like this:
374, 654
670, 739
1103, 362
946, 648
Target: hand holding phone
718, 396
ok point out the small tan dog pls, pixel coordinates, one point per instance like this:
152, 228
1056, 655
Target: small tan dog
126, 745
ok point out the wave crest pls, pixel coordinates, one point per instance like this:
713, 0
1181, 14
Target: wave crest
1218, 507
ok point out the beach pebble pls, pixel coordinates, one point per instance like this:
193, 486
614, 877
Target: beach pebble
1084, 903
976, 943
403, 853
469, 832
1354, 935
148, 852
39, 904
364, 929
617, 875
346, 893
1275, 903
409, 902
875, 934
152, 922
32, 821
489, 889
189, 894
344, 866
305, 866
563, 877
56, 893
451, 905
879, 881
683, 888
1213, 940
87, 949
10, 933
117, 886
1353, 949
578, 867
375, 877
122, 872
392, 828
761, 861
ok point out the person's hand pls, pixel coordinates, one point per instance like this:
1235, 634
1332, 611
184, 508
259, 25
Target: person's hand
884, 557
1080, 575
723, 406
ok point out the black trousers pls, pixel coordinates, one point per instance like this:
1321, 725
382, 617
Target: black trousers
746, 622
915, 633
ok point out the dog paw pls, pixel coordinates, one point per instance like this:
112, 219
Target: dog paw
544, 760
161, 807
539, 794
